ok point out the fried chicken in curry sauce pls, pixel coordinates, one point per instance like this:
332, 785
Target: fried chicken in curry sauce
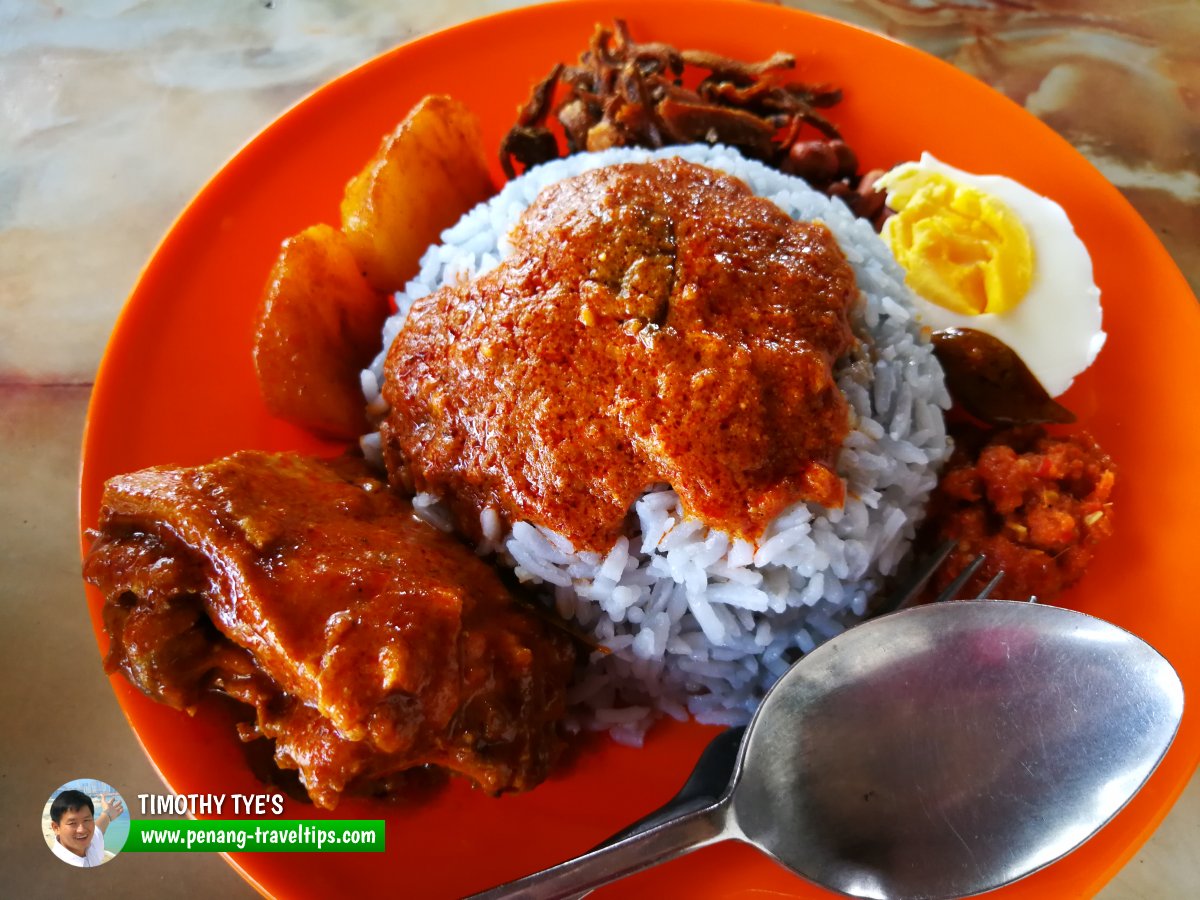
367, 641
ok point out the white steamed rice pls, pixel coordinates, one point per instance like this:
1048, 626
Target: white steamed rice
699, 624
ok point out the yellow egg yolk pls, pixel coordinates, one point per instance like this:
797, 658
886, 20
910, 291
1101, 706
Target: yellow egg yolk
960, 247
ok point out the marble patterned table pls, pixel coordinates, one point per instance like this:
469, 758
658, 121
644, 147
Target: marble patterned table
114, 112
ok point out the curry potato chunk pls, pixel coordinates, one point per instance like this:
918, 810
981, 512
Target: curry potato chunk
318, 325
427, 173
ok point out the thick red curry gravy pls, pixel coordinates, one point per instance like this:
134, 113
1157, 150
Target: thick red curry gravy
655, 323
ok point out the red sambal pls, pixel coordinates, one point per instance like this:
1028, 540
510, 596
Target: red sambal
1037, 505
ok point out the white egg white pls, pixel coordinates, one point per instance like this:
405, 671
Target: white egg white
1056, 328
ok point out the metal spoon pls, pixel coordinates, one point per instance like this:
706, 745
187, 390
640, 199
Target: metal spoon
941, 751
710, 777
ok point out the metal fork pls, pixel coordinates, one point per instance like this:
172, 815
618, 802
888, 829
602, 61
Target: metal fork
715, 766
924, 571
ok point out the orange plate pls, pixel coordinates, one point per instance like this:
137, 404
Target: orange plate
176, 386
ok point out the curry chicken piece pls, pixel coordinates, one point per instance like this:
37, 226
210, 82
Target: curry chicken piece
367, 641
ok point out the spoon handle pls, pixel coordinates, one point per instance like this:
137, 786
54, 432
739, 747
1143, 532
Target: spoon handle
609, 863
708, 781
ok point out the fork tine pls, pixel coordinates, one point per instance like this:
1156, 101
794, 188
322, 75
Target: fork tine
922, 574
952, 589
991, 586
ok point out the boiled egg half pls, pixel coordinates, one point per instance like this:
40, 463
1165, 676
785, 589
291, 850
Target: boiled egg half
985, 252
